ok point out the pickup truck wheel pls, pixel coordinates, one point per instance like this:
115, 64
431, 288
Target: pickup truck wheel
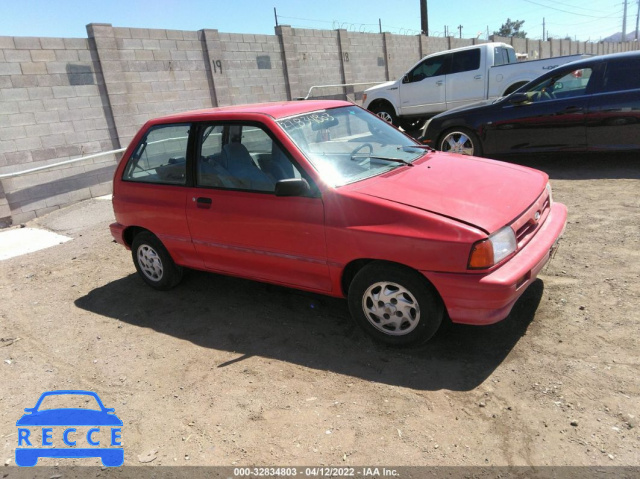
394, 304
154, 263
386, 112
461, 141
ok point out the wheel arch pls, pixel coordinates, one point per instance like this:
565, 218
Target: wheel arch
382, 102
355, 266
131, 232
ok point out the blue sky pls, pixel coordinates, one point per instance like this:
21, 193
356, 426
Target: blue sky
67, 18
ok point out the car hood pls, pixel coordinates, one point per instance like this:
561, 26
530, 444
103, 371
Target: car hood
483, 193
69, 417
382, 86
472, 106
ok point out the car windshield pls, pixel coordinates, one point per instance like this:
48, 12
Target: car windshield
348, 144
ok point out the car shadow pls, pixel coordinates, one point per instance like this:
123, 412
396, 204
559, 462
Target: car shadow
584, 166
257, 319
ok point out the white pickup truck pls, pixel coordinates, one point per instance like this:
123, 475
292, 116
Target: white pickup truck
453, 78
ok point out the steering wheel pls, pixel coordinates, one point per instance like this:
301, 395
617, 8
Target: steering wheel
355, 152
545, 94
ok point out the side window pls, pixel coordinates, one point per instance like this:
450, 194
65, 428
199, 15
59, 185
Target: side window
465, 61
568, 85
431, 67
621, 76
161, 156
241, 157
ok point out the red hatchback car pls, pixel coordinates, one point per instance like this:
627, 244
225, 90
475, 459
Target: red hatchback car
326, 197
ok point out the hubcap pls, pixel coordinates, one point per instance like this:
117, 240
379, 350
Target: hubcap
391, 308
457, 142
385, 116
150, 263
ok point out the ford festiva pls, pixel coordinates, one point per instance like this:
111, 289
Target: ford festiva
326, 197
587, 105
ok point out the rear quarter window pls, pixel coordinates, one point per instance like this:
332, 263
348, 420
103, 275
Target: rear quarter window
160, 157
622, 76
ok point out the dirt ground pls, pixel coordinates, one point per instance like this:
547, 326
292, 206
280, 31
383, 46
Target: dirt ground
222, 371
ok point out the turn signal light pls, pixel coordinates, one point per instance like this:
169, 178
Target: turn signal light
481, 255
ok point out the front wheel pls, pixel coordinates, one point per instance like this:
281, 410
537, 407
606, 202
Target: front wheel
385, 112
394, 304
461, 141
154, 263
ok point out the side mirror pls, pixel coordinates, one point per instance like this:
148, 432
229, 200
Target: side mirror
292, 187
28, 409
519, 98
405, 79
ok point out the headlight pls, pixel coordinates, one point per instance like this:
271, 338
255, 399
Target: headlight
550, 193
495, 248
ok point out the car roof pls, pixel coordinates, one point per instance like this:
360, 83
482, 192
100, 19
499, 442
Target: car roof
275, 110
602, 58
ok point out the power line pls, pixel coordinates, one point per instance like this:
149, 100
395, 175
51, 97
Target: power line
563, 11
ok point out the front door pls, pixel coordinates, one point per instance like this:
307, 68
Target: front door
239, 226
423, 88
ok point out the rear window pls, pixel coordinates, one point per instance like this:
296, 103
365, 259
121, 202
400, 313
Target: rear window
464, 61
621, 76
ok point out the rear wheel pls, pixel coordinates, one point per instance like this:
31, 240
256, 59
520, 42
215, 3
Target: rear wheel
154, 263
461, 141
394, 304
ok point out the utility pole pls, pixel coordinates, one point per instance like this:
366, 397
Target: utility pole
380, 24
460, 29
624, 22
544, 29
446, 33
275, 14
637, 17
424, 17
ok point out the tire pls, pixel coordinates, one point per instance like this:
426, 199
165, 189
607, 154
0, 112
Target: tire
460, 140
381, 292
385, 112
154, 263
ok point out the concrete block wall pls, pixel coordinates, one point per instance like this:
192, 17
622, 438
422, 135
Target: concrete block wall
53, 107
62, 98
254, 67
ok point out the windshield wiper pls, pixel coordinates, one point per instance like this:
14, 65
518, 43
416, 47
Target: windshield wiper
420, 147
394, 160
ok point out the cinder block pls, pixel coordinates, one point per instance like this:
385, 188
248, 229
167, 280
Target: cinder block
34, 68
63, 91
20, 119
79, 195
12, 133
58, 128
43, 55
70, 115
120, 32
8, 146
5, 82
56, 67
161, 55
38, 130
47, 117
149, 44
10, 69
21, 218
40, 93
52, 43
86, 90
7, 43
27, 43
78, 102
50, 80
65, 55
13, 56
51, 141
189, 35
76, 44
31, 106
55, 104
7, 108
143, 55
32, 143
157, 34
18, 157
174, 34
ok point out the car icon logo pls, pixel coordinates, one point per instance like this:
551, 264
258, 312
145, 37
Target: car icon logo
536, 217
65, 432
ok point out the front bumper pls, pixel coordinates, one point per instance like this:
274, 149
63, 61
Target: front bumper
488, 298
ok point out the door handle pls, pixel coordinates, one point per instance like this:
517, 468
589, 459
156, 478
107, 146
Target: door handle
439, 83
477, 77
202, 202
